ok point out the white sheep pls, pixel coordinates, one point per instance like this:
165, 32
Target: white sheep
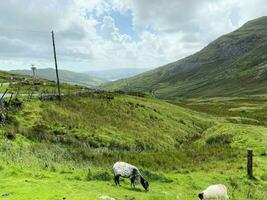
214, 192
122, 169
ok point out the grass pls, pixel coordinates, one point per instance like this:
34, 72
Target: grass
66, 149
52, 150
46, 86
233, 65
73, 184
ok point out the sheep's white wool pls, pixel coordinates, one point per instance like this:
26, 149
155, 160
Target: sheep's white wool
124, 169
215, 191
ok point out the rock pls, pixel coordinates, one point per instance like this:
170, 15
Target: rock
104, 197
5, 194
10, 136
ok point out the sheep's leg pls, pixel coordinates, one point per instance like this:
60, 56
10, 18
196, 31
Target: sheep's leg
132, 183
117, 180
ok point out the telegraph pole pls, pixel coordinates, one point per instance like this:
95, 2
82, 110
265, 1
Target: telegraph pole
55, 57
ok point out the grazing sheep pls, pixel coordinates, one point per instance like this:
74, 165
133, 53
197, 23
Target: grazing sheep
214, 192
122, 169
103, 197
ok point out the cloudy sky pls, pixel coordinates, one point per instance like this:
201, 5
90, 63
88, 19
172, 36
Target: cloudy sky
105, 34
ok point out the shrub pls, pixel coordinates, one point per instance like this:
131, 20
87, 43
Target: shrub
264, 177
220, 139
38, 132
89, 175
10, 136
126, 197
156, 177
103, 176
139, 146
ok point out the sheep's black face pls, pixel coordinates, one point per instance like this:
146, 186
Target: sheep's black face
145, 184
201, 196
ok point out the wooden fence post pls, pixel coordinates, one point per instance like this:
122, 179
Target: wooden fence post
250, 163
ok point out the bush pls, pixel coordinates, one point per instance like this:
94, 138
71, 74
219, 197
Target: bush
156, 177
89, 175
220, 139
10, 136
38, 132
103, 176
264, 177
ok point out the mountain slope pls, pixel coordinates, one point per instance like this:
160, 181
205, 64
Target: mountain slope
74, 143
65, 76
234, 64
115, 74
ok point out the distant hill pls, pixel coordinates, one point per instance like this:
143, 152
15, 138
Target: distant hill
115, 74
65, 76
234, 64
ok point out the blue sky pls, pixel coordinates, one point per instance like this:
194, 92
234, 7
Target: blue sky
105, 34
123, 21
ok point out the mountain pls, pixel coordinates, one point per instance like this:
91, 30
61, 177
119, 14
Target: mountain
65, 76
115, 74
234, 64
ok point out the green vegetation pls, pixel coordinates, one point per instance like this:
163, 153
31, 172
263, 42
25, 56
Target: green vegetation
65, 150
233, 65
52, 150
66, 76
14, 84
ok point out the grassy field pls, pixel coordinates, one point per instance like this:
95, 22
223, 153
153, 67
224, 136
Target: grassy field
56, 150
48, 88
51, 150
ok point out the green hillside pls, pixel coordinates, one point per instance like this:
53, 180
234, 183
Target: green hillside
234, 64
65, 150
5, 77
116, 74
61, 150
13, 83
66, 76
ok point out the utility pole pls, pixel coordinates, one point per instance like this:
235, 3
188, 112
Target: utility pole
33, 68
55, 57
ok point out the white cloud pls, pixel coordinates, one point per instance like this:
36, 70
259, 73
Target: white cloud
87, 36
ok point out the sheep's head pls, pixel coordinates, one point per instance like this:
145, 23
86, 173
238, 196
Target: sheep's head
201, 196
144, 183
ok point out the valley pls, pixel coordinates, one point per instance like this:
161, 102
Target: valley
56, 150
185, 125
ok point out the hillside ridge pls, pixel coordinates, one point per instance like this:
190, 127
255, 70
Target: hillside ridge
233, 64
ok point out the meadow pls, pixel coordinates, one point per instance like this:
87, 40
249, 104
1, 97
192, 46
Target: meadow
65, 150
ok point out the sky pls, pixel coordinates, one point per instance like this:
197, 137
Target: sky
110, 34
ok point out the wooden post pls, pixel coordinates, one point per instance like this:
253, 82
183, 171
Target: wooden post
55, 57
10, 98
250, 163
2, 97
